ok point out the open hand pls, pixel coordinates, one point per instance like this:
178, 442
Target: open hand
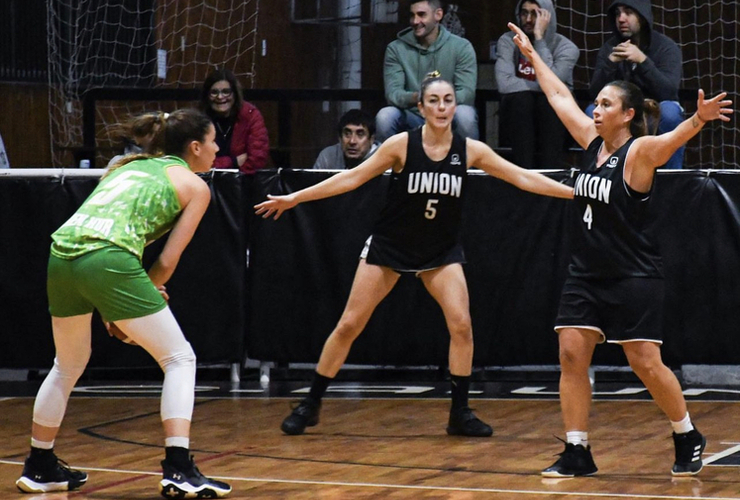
716, 108
522, 41
275, 205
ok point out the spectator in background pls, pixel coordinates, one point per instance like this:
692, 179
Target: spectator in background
4, 162
423, 48
536, 135
649, 59
240, 129
137, 134
356, 131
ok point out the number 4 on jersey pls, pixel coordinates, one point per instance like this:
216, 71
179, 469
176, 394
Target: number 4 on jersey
588, 216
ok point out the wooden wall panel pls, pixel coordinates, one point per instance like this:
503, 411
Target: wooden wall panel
24, 124
303, 56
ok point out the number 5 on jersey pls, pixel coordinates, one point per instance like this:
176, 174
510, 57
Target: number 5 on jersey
116, 186
431, 211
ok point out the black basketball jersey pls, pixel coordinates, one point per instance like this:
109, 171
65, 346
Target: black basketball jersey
419, 226
608, 236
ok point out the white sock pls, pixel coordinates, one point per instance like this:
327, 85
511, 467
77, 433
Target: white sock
180, 442
683, 426
577, 437
43, 445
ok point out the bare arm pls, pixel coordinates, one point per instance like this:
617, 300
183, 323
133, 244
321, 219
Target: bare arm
651, 151
194, 196
580, 126
390, 154
483, 157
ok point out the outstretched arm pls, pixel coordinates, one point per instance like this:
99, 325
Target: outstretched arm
580, 126
483, 157
651, 151
389, 154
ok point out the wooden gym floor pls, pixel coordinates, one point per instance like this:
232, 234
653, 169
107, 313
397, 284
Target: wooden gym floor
378, 440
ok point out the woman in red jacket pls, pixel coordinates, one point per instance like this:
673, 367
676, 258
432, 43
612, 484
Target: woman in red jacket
240, 129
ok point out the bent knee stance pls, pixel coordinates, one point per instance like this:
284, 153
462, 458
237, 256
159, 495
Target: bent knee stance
51, 401
178, 389
645, 367
461, 329
349, 328
183, 357
573, 359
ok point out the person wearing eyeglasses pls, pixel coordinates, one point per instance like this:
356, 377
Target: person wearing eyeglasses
241, 133
532, 129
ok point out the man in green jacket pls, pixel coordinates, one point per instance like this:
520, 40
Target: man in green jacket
422, 48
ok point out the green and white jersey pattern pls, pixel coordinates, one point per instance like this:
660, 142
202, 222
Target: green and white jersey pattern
134, 205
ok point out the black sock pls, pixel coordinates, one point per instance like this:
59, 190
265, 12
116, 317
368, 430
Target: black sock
42, 457
318, 387
459, 389
177, 456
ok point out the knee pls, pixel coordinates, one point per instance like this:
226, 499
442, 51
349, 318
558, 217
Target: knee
645, 367
671, 115
573, 359
72, 368
387, 122
183, 356
461, 329
349, 328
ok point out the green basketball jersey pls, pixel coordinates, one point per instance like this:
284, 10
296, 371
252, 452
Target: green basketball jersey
134, 205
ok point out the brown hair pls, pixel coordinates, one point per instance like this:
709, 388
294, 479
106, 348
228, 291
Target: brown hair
173, 136
430, 78
236, 91
138, 127
647, 111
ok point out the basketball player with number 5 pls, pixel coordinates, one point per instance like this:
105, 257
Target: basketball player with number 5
418, 232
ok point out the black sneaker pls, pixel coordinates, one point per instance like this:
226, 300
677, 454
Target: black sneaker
689, 447
188, 482
306, 414
54, 476
463, 422
574, 461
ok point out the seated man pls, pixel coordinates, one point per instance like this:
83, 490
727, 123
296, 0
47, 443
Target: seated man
535, 133
422, 48
649, 59
356, 132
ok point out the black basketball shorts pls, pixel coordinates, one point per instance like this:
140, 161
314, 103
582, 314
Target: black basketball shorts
621, 310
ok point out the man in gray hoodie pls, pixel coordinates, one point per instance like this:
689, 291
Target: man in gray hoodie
535, 133
426, 46
649, 59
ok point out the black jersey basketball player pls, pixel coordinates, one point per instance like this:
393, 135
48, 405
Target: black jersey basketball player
418, 232
614, 288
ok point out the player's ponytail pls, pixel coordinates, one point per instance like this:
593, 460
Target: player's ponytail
179, 129
173, 133
652, 116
